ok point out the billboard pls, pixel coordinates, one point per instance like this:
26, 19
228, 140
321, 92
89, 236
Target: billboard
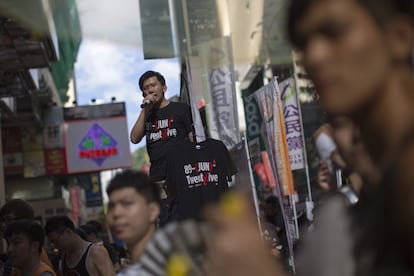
96, 138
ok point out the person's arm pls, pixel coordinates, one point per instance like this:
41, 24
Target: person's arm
100, 261
191, 137
138, 131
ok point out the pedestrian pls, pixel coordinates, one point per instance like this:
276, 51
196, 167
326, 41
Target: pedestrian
164, 124
12, 211
78, 257
25, 240
92, 229
133, 211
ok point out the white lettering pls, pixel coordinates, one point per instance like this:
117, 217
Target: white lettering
155, 136
172, 132
163, 123
194, 179
212, 178
204, 166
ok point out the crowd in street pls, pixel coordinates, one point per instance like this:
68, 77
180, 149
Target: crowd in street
359, 55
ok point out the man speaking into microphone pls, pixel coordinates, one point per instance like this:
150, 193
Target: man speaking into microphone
164, 124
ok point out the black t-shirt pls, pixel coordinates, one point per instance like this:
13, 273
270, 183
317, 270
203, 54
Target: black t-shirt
197, 175
164, 128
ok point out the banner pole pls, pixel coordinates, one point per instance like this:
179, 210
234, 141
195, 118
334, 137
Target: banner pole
254, 192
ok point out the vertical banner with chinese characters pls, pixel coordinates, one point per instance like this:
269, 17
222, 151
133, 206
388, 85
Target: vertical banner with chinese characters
75, 210
221, 107
268, 98
55, 158
270, 104
291, 113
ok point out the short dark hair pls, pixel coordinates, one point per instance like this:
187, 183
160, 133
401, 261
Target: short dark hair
88, 229
137, 180
28, 228
95, 226
381, 11
150, 74
58, 224
18, 207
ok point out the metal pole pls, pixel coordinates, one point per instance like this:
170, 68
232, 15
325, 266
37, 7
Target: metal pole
254, 192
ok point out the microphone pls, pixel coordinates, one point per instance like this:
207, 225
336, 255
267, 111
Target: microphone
145, 103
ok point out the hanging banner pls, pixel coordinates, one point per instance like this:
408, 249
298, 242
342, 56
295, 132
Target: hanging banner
220, 98
268, 98
255, 134
75, 210
293, 124
270, 104
198, 125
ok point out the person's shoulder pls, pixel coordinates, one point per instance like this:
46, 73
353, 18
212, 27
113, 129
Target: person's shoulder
179, 104
98, 251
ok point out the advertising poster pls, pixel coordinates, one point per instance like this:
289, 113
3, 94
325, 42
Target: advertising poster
55, 161
33, 164
96, 138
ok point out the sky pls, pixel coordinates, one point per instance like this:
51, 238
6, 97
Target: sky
110, 58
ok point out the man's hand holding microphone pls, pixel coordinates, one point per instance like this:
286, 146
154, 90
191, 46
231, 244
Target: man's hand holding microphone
148, 101
145, 103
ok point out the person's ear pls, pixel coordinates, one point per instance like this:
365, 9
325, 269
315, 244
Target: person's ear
164, 88
154, 209
401, 38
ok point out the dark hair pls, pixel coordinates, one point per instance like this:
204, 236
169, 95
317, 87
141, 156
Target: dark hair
28, 228
88, 229
20, 208
82, 233
95, 226
381, 11
150, 74
137, 180
58, 224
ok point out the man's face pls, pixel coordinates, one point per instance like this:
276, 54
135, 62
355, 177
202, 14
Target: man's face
130, 216
345, 54
60, 239
153, 88
20, 249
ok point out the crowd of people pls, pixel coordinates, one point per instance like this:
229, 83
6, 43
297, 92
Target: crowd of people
359, 55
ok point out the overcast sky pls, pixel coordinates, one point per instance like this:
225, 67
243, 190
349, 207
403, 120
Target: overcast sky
110, 58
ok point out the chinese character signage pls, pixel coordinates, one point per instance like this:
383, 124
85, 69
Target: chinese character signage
221, 107
291, 114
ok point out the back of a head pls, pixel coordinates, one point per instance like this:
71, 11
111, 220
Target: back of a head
28, 228
96, 225
380, 10
19, 208
137, 180
59, 223
150, 74
89, 229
